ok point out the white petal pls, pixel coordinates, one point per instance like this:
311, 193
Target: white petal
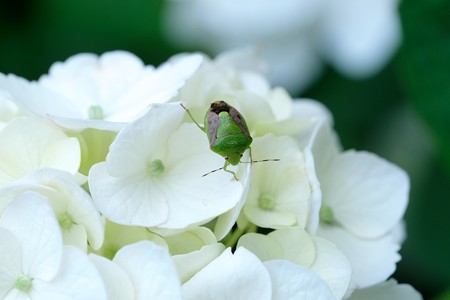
332, 266
190, 263
311, 110
80, 205
230, 276
245, 58
297, 245
320, 147
158, 88
29, 144
66, 198
263, 246
16, 294
116, 281
85, 79
31, 219
77, 279
285, 181
76, 236
291, 281
63, 154
226, 221
190, 240
10, 261
126, 200
367, 194
29, 96
360, 36
8, 110
294, 61
117, 82
387, 290
322, 142
195, 199
292, 244
151, 271
372, 260
143, 140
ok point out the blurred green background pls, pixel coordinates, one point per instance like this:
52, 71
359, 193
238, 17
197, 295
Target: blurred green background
402, 113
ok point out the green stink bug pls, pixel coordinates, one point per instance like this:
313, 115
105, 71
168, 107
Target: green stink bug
227, 133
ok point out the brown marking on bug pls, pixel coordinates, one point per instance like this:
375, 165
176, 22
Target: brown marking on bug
213, 124
237, 118
219, 106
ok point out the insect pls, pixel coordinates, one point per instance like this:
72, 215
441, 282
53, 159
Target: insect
227, 133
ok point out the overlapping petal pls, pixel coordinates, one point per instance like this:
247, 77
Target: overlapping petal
104, 92
367, 194
77, 215
372, 260
31, 220
151, 271
238, 275
292, 281
29, 144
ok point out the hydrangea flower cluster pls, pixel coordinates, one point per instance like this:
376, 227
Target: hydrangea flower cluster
102, 194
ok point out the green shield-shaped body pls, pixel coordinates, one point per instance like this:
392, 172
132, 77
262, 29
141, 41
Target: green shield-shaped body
227, 131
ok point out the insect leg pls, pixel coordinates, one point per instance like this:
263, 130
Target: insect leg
192, 118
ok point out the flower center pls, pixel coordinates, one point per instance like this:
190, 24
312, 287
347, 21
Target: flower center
65, 221
95, 112
326, 215
266, 202
23, 283
155, 168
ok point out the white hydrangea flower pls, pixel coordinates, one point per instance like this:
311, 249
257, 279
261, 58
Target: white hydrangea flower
29, 144
387, 290
357, 37
34, 263
314, 253
104, 92
279, 192
142, 270
75, 211
364, 199
238, 275
153, 174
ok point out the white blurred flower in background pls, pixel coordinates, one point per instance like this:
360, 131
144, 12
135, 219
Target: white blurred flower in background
358, 37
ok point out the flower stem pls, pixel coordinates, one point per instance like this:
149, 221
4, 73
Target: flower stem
232, 239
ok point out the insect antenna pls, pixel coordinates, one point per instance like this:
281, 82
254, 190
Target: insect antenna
212, 171
262, 160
